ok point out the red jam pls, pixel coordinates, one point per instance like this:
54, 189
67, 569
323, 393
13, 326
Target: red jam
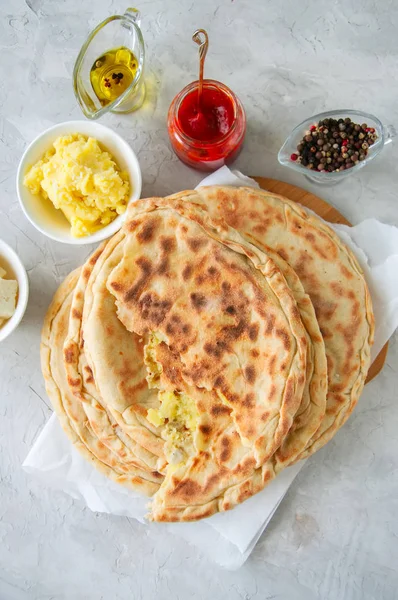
211, 135
209, 122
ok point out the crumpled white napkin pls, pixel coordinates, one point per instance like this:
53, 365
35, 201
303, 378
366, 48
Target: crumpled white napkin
226, 538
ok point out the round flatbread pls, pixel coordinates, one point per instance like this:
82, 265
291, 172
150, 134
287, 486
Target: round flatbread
223, 307
220, 321
330, 275
68, 408
81, 378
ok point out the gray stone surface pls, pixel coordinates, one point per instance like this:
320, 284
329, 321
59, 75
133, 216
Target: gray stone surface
335, 535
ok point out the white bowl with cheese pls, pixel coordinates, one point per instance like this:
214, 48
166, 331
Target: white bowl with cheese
42, 213
12, 269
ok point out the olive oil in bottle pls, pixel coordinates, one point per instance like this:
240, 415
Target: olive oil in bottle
112, 73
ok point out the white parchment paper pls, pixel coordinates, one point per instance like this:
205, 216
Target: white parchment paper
226, 538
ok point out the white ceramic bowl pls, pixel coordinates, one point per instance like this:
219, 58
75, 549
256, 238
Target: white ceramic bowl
41, 213
16, 265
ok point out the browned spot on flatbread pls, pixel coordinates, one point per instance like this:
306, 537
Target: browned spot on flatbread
153, 309
219, 382
146, 268
132, 225
270, 324
324, 309
260, 229
69, 354
271, 366
255, 353
326, 334
272, 392
76, 314
267, 476
116, 286
310, 237
283, 254
284, 336
186, 489
245, 468
216, 350
288, 395
250, 374
205, 429
187, 272
226, 451
220, 409
253, 331
147, 231
95, 257
197, 243
213, 272
163, 266
198, 301
249, 401
337, 288
74, 383
346, 272
109, 330
301, 264
168, 244
89, 376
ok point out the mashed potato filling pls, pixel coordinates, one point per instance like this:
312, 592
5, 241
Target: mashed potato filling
83, 181
154, 369
177, 414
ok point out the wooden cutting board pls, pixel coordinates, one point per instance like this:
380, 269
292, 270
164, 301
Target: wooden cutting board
329, 213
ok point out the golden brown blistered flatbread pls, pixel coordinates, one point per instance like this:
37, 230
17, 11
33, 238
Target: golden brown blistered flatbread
105, 339
330, 275
81, 378
68, 408
225, 311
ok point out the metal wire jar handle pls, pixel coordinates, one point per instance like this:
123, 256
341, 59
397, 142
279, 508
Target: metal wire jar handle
203, 43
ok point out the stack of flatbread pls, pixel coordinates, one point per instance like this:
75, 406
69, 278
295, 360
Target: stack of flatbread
222, 335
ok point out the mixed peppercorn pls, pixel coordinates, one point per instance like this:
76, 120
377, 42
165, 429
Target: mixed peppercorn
117, 79
334, 145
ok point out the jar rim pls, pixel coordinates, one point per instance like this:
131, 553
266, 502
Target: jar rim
176, 104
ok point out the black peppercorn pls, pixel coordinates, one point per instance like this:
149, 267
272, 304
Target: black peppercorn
334, 145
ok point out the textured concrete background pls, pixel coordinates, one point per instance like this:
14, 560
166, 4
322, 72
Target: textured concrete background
335, 535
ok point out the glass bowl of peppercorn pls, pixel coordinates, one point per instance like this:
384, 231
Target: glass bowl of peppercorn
332, 145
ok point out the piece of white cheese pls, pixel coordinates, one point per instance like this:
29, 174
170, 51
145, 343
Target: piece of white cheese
2, 272
8, 295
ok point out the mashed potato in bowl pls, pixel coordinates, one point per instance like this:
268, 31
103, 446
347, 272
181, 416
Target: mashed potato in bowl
82, 180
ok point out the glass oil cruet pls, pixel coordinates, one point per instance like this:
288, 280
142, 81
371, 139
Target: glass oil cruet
109, 71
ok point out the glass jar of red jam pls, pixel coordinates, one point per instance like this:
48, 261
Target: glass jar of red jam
209, 136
